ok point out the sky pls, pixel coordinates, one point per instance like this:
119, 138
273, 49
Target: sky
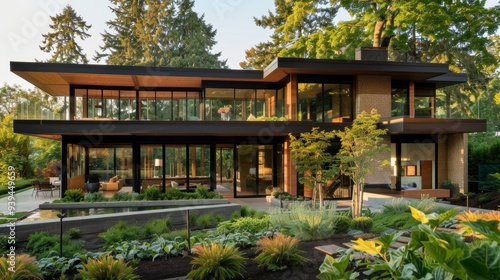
22, 23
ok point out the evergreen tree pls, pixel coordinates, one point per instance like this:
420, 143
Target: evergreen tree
192, 40
61, 42
158, 33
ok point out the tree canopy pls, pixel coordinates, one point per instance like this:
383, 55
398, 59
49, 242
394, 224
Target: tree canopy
158, 33
311, 157
61, 41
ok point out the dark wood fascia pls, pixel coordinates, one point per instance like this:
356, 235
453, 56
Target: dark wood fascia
433, 126
169, 128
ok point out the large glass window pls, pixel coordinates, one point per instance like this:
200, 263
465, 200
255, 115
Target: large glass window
109, 162
127, 105
309, 96
418, 165
147, 101
399, 101
199, 161
254, 169
324, 102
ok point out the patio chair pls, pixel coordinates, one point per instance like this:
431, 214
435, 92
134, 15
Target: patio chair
45, 187
36, 187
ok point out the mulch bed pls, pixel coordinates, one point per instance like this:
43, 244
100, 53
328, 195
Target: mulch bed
494, 204
180, 266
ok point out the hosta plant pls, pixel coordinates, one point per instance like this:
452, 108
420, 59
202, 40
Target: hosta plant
279, 252
24, 267
105, 267
332, 269
432, 254
216, 261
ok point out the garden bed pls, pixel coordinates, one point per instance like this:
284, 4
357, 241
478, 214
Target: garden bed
477, 202
180, 266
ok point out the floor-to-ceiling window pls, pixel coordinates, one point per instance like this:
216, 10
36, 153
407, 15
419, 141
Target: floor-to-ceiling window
254, 171
107, 162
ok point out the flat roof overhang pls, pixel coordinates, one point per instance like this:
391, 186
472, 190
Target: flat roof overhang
54, 129
405, 125
419, 72
55, 78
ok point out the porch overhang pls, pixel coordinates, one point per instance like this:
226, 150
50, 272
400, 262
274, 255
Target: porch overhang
54, 129
405, 125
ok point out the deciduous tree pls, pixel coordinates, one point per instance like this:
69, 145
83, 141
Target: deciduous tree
361, 146
311, 156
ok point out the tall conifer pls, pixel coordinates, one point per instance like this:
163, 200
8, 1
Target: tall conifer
61, 42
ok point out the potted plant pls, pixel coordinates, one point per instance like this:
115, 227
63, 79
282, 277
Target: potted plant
93, 183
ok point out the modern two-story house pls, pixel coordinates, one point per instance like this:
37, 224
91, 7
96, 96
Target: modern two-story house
228, 129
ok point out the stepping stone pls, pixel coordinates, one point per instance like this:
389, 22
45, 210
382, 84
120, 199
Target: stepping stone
449, 230
403, 239
329, 249
396, 245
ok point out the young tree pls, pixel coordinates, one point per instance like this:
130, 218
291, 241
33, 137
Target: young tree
310, 155
360, 146
61, 42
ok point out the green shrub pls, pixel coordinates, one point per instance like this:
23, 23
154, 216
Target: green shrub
304, 222
139, 196
25, 268
152, 193
74, 233
216, 261
105, 267
248, 224
484, 199
41, 244
122, 196
94, 197
157, 227
120, 232
279, 252
362, 223
207, 221
4, 244
203, 192
173, 194
471, 194
247, 211
123, 232
73, 196
341, 224
21, 184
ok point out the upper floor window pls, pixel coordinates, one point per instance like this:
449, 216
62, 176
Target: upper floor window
399, 99
423, 100
324, 102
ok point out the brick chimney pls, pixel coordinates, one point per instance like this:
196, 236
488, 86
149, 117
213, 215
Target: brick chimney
371, 54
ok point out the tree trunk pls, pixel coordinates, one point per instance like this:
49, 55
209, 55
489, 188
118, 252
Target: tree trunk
314, 196
356, 202
377, 33
320, 190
